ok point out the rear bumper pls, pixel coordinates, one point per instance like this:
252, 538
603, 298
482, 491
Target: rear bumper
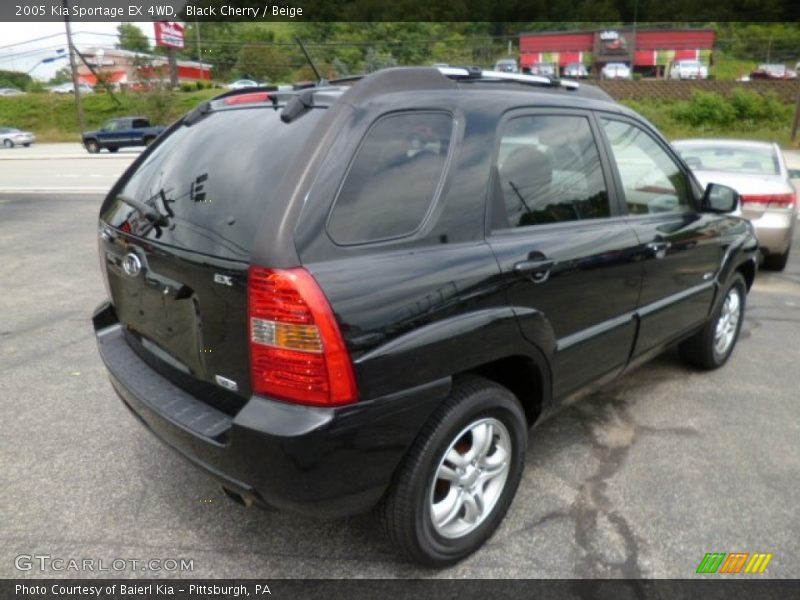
309, 460
775, 229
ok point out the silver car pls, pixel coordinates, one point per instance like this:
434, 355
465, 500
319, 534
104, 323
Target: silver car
688, 69
758, 172
11, 136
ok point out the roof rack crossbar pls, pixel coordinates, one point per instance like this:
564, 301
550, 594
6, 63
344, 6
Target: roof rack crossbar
476, 74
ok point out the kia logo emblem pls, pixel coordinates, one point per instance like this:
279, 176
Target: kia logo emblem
131, 264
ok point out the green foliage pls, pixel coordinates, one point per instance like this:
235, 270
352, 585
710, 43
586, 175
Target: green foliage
14, 79
743, 105
744, 114
132, 38
52, 116
705, 108
36, 87
63, 75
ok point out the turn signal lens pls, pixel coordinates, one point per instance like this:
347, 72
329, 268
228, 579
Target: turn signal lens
296, 349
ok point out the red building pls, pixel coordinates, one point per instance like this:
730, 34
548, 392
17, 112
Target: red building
123, 68
650, 50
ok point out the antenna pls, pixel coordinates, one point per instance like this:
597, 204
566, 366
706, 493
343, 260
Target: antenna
310, 62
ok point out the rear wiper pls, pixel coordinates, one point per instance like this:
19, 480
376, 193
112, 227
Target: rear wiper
150, 213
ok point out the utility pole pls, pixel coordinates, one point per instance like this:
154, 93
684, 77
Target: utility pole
197, 40
173, 67
73, 67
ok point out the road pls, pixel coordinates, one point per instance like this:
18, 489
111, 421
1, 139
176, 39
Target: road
641, 479
61, 168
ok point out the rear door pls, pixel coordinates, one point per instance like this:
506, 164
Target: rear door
562, 246
680, 247
179, 287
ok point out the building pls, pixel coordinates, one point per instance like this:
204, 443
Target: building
123, 68
651, 51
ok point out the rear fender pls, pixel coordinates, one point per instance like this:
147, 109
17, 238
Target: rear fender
451, 346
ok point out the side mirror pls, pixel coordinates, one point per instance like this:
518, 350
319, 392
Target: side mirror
720, 198
794, 173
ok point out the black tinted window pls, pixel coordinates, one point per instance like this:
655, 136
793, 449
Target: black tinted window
549, 171
140, 123
215, 180
393, 180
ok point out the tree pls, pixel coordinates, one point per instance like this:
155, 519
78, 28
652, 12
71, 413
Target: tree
132, 38
63, 75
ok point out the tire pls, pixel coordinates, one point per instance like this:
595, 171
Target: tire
407, 511
706, 349
92, 147
113, 149
777, 262
27, 145
8, 143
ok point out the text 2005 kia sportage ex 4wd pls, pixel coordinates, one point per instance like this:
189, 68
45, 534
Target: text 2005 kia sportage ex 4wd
347, 298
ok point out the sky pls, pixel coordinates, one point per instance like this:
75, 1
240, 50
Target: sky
21, 50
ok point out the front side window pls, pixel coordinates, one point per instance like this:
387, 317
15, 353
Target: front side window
651, 180
393, 179
549, 171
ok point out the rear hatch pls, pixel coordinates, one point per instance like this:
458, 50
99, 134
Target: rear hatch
176, 238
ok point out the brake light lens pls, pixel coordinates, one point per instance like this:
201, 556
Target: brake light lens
761, 201
297, 352
247, 98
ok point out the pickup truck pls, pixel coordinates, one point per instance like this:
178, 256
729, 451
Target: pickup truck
118, 133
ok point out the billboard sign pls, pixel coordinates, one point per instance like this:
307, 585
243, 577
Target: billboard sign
169, 34
613, 45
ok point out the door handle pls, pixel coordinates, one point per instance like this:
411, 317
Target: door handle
537, 270
658, 249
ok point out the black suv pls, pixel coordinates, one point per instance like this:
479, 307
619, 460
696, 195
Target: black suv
364, 294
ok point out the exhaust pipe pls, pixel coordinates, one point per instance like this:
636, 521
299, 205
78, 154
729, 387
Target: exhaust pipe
237, 497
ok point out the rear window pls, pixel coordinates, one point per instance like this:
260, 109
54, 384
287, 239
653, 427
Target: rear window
744, 159
214, 180
393, 179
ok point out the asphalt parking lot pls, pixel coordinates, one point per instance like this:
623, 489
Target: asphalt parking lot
641, 479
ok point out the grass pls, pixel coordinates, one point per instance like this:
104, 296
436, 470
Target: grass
53, 117
676, 120
728, 68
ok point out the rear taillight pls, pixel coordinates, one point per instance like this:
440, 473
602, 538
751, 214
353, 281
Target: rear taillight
762, 201
296, 349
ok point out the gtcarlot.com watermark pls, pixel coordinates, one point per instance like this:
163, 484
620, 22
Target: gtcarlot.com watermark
62, 564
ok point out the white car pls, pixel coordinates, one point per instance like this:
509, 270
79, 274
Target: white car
506, 65
240, 84
758, 172
688, 69
11, 136
8, 91
68, 88
616, 70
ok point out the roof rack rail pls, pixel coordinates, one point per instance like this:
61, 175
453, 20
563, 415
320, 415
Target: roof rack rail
477, 74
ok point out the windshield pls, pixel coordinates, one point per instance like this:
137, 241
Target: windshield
762, 161
213, 181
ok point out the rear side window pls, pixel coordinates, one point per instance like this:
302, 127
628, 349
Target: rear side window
214, 180
393, 179
140, 124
